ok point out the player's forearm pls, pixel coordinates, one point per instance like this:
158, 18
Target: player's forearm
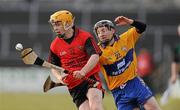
92, 62
174, 69
56, 74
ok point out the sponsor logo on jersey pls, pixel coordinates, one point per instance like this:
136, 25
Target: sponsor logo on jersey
124, 48
62, 53
119, 66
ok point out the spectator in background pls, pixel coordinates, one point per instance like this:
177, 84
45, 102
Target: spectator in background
145, 63
175, 69
175, 65
119, 64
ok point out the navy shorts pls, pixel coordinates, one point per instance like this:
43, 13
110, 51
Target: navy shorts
134, 94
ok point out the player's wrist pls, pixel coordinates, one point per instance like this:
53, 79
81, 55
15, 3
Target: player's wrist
131, 21
83, 72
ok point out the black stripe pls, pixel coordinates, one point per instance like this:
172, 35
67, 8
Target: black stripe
39, 61
66, 71
27, 54
139, 25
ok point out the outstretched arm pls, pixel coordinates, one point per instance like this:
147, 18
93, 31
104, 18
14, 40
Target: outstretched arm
121, 21
54, 59
59, 76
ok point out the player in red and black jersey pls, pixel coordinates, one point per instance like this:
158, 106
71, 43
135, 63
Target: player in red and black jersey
75, 50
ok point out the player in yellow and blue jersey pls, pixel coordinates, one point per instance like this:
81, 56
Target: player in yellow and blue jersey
119, 64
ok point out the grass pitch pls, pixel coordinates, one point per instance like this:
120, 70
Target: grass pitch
46, 101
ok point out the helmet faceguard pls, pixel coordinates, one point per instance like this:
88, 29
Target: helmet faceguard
103, 23
63, 17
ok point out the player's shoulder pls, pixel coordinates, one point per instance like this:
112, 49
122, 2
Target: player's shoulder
83, 32
54, 42
130, 32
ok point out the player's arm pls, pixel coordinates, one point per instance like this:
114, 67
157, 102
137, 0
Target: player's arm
140, 26
121, 20
174, 70
93, 52
54, 59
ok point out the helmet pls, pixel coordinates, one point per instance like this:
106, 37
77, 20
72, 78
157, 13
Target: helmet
63, 16
102, 23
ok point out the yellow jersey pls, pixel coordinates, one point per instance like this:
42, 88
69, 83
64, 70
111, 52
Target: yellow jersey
118, 61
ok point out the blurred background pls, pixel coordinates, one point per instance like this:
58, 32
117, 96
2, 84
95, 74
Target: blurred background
26, 21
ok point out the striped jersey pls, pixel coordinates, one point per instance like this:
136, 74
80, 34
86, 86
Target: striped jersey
73, 56
118, 61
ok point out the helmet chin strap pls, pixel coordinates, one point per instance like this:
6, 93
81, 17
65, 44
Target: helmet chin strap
61, 35
105, 43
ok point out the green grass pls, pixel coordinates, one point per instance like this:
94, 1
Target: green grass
17, 101
25, 101
173, 104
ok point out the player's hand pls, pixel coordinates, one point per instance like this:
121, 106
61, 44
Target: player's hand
78, 74
61, 78
121, 20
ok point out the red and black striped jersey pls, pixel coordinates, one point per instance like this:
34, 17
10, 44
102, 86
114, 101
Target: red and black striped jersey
74, 55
